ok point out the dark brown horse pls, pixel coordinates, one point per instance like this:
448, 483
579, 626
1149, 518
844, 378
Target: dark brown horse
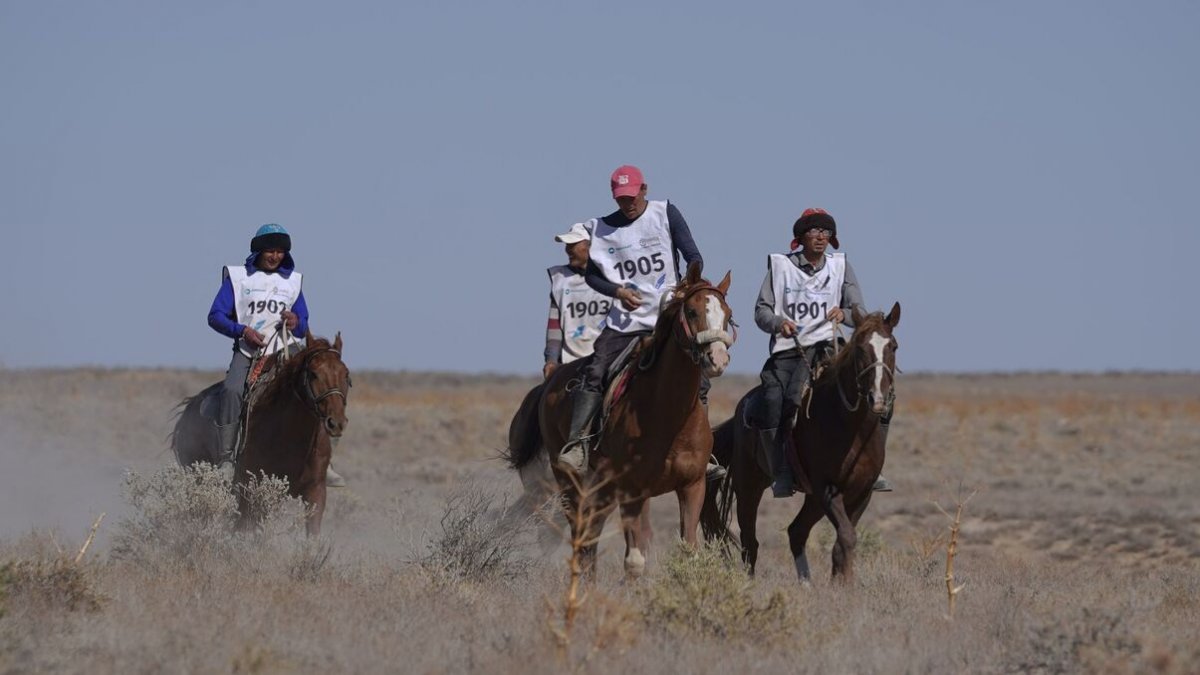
656, 437
836, 445
292, 418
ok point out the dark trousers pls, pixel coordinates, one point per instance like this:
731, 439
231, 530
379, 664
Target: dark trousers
783, 376
608, 346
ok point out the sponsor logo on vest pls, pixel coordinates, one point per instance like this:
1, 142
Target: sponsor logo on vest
661, 280
648, 242
619, 248
578, 332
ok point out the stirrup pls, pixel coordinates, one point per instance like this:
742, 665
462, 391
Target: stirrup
714, 471
574, 454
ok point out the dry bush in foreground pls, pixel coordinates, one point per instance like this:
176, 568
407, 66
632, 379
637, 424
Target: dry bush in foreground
479, 541
705, 593
184, 517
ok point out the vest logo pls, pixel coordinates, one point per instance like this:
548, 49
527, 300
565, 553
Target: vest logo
612, 250
661, 280
648, 242
578, 332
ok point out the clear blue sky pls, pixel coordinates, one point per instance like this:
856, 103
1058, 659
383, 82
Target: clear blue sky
1022, 176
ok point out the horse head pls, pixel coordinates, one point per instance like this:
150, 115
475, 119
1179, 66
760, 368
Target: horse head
324, 382
705, 327
874, 353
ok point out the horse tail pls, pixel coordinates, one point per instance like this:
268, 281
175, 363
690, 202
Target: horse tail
718, 498
192, 438
524, 433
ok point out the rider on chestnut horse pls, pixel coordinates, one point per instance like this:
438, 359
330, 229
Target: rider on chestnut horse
576, 311
634, 258
804, 292
254, 297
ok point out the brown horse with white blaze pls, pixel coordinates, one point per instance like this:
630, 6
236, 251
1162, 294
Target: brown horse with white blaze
656, 438
838, 446
290, 427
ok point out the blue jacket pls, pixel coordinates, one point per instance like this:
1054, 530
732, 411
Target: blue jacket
222, 316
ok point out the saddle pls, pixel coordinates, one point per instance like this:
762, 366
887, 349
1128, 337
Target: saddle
637, 356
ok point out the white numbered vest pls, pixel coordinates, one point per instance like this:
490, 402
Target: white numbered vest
581, 311
804, 299
640, 255
259, 299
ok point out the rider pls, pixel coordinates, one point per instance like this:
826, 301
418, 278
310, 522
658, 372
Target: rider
576, 311
803, 293
254, 297
635, 259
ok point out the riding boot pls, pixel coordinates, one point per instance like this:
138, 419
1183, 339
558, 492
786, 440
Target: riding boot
226, 440
333, 478
882, 484
783, 483
585, 405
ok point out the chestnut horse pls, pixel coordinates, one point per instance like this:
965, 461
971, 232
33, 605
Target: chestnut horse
292, 418
836, 445
656, 437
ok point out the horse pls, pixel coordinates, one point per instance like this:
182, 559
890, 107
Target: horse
656, 437
837, 446
291, 420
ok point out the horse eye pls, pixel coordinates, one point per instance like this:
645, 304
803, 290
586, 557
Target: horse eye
690, 313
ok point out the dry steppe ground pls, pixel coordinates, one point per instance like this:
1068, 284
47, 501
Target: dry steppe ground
1079, 552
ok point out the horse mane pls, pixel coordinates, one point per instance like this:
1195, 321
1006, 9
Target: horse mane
845, 357
670, 314
285, 371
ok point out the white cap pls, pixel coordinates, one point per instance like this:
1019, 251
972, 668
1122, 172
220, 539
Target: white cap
577, 233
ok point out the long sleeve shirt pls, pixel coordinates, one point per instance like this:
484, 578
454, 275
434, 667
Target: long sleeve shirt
222, 315
764, 307
681, 238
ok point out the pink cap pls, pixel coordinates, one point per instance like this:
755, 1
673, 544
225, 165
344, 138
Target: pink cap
626, 181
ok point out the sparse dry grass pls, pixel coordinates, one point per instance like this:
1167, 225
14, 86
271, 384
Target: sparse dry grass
1080, 551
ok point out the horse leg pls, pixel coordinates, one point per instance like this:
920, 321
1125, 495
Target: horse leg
847, 538
314, 500
747, 518
691, 500
632, 515
646, 530
586, 514
798, 530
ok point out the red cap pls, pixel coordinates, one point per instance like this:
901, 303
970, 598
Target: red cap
626, 181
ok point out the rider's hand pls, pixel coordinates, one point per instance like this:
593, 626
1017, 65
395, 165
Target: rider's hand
629, 297
548, 369
253, 337
787, 329
836, 314
290, 319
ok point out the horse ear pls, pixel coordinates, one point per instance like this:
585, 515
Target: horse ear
724, 285
337, 342
856, 315
308, 337
893, 316
693, 273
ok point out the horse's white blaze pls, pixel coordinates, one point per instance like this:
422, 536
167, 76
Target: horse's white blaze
714, 313
878, 342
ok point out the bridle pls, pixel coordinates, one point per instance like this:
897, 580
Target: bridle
889, 397
694, 344
305, 392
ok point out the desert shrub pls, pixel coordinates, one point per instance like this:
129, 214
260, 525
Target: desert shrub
185, 516
706, 593
1073, 644
309, 560
478, 541
54, 582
